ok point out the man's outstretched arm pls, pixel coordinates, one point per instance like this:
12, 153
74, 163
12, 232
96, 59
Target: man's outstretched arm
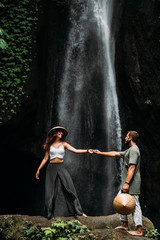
108, 154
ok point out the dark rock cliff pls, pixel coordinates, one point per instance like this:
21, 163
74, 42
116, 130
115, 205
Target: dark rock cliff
24, 134
138, 84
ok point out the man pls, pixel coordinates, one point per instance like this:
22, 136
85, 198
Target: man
131, 179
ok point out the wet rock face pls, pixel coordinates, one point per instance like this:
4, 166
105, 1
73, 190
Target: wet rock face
138, 84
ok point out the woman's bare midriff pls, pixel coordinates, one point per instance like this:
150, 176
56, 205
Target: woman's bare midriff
56, 160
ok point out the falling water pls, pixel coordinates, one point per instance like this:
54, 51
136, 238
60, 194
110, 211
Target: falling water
87, 98
103, 13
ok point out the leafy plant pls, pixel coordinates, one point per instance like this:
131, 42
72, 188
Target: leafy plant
92, 236
33, 232
64, 229
109, 227
59, 230
7, 228
17, 43
3, 43
153, 233
148, 102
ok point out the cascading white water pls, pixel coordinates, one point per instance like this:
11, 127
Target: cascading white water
72, 85
103, 10
88, 84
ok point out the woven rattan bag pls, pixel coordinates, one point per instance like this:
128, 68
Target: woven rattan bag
124, 204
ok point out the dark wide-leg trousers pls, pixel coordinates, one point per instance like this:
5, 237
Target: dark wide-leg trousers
60, 195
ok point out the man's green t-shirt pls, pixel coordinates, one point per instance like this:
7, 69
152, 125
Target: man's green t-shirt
132, 156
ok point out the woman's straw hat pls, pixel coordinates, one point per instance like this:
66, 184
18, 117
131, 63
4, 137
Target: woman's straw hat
54, 129
124, 203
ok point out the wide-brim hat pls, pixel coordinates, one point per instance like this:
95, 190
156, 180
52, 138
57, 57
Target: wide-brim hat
54, 129
124, 204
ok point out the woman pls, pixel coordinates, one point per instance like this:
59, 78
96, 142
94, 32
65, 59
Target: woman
60, 195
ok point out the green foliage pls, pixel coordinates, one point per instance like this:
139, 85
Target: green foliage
152, 234
59, 230
109, 227
3, 43
6, 229
32, 233
148, 102
92, 236
18, 25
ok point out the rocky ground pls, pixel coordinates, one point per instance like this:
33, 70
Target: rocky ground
102, 227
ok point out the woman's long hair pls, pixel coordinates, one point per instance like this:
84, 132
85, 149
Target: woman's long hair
50, 139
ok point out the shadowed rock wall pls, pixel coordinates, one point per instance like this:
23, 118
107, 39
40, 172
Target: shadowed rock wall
138, 83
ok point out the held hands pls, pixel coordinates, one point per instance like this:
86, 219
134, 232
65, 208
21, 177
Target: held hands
96, 151
93, 151
90, 151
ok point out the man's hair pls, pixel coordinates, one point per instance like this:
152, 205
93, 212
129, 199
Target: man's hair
134, 135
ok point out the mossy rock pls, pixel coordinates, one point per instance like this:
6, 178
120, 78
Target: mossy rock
101, 227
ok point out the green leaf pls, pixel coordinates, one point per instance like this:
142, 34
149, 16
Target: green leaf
3, 44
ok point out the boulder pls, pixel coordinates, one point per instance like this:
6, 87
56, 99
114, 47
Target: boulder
11, 226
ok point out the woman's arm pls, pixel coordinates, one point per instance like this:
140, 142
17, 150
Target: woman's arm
74, 150
45, 159
108, 154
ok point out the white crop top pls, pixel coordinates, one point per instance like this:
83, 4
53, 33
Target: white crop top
57, 152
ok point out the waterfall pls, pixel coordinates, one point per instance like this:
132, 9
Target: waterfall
103, 13
88, 105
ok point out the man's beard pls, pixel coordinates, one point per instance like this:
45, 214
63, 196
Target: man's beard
127, 142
